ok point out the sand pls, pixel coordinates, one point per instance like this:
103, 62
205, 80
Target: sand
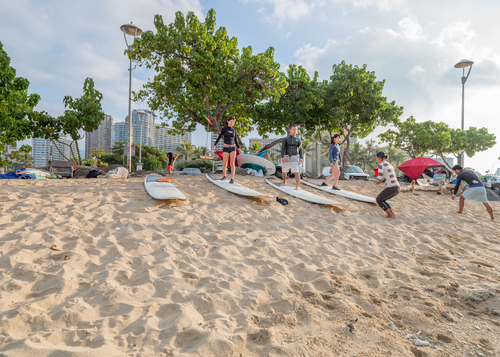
222, 275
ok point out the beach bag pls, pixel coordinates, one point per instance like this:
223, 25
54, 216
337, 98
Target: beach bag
93, 174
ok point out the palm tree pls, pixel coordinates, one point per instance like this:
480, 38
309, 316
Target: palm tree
370, 148
356, 154
202, 151
186, 150
307, 147
254, 148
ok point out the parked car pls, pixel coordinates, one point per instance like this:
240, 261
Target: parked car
219, 167
191, 171
176, 172
351, 173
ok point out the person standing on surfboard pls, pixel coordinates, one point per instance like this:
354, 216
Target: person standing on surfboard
335, 159
291, 150
231, 143
171, 156
386, 173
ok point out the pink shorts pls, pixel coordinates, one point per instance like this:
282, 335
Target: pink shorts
170, 167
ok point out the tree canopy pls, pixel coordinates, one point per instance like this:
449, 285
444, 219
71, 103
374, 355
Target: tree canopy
201, 75
356, 104
16, 108
438, 139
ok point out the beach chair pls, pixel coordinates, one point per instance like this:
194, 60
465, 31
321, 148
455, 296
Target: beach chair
62, 168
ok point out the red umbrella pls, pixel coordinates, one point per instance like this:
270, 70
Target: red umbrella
415, 167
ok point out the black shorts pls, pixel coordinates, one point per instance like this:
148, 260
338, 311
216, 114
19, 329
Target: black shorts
229, 148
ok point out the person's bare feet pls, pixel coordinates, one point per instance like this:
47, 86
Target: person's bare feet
296, 189
459, 212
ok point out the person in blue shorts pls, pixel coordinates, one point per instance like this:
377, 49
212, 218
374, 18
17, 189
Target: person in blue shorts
475, 191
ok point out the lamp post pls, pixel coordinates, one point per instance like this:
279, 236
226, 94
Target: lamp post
139, 165
462, 64
131, 30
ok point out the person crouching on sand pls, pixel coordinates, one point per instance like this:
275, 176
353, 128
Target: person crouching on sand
334, 156
386, 173
171, 156
291, 150
476, 189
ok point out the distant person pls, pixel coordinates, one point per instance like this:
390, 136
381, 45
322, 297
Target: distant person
429, 173
291, 155
171, 156
335, 160
476, 189
231, 144
386, 174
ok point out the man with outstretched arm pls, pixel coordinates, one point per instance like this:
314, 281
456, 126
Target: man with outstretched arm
291, 150
476, 189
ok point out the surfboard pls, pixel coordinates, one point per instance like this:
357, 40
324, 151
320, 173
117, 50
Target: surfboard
235, 187
303, 194
162, 190
252, 159
343, 193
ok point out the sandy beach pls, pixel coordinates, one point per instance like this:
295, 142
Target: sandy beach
99, 268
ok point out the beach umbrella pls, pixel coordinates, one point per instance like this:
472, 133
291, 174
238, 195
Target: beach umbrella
415, 167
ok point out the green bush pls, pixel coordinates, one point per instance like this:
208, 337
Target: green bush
204, 165
152, 163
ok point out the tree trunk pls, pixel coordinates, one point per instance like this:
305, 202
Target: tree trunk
345, 156
269, 146
78, 152
57, 147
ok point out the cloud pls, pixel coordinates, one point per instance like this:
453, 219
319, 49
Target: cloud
286, 10
57, 44
410, 28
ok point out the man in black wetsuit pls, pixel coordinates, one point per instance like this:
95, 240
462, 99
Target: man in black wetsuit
476, 189
231, 144
291, 150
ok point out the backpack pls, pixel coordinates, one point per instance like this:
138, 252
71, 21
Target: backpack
93, 174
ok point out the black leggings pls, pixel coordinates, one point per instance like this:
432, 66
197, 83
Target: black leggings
386, 194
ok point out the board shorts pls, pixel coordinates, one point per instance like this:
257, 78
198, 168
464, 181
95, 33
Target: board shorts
229, 149
292, 163
479, 193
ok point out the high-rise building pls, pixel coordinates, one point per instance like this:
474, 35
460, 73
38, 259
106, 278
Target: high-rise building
168, 142
100, 138
264, 142
143, 123
498, 172
45, 150
120, 132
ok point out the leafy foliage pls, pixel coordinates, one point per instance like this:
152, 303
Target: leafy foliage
201, 76
254, 147
16, 109
357, 104
204, 165
187, 150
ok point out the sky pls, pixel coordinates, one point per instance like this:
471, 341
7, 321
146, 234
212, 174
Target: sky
413, 45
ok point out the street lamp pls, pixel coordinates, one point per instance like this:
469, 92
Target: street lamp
131, 30
139, 165
462, 64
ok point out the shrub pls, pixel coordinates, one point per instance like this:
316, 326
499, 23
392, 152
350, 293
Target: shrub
204, 165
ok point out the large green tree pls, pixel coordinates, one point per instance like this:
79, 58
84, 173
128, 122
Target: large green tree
83, 114
201, 77
356, 104
470, 141
414, 138
16, 109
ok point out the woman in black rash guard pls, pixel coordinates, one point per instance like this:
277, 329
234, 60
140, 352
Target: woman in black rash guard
231, 144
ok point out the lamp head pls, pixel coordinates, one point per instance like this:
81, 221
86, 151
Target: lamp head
464, 63
131, 30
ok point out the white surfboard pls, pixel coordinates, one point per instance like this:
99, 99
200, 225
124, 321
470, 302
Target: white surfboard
162, 190
235, 187
303, 195
252, 159
343, 193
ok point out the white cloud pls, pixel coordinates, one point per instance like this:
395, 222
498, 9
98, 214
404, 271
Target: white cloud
287, 10
410, 28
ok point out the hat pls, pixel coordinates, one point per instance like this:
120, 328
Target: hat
381, 154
